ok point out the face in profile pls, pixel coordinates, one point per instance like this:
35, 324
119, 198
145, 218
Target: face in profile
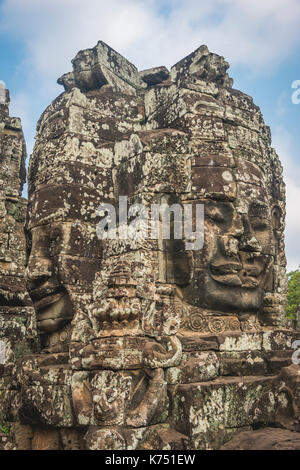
61, 267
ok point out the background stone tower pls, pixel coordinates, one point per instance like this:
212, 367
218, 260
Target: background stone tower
17, 318
16, 311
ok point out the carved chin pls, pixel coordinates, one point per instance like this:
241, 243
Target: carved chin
232, 297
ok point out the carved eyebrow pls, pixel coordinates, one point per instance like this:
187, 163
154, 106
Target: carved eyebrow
219, 197
259, 209
218, 203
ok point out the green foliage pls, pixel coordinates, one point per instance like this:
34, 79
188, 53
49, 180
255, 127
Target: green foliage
21, 349
16, 209
4, 429
293, 295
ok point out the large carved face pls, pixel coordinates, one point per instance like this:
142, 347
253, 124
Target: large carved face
61, 267
231, 272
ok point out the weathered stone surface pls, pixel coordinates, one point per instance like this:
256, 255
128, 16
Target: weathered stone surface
93, 68
194, 367
17, 322
241, 363
17, 318
155, 75
265, 439
147, 343
205, 410
202, 65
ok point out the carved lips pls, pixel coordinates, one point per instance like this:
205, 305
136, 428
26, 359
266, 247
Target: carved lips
54, 309
236, 274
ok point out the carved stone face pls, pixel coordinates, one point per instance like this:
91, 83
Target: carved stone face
87, 75
231, 271
50, 298
61, 267
82, 70
234, 276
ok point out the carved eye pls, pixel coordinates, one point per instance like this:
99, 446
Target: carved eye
216, 215
259, 224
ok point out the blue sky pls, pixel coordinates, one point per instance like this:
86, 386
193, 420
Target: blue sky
260, 39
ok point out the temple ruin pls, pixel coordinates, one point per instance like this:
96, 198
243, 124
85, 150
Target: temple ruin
140, 343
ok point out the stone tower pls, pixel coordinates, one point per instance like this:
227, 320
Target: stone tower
16, 311
154, 342
17, 318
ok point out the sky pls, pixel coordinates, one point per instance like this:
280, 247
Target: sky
259, 38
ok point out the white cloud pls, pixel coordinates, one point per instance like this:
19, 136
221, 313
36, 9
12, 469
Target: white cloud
283, 142
259, 34
282, 103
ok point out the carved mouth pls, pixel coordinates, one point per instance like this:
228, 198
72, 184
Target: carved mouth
234, 274
224, 269
53, 307
226, 273
53, 312
249, 277
227, 279
50, 325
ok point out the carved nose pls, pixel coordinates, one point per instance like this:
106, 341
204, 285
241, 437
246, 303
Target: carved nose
237, 228
252, 244
248, 241
38, 268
